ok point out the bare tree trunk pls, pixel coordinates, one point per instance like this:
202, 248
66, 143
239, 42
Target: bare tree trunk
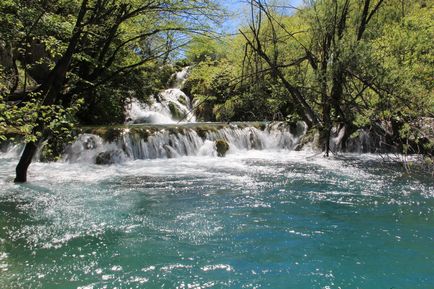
24, 163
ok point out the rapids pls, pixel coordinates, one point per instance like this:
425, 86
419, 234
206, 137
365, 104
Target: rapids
152, 206
270, 218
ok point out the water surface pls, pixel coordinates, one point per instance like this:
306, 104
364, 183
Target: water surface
251, 220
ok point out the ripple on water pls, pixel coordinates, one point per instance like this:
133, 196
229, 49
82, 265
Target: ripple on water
253, 219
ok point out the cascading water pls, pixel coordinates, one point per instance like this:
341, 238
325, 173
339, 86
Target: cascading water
164, 132
262, 217
152, 142
169, 106
167, 128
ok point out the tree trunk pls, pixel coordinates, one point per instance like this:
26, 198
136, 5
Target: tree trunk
326, 127
24, 163
327, 142
349, 130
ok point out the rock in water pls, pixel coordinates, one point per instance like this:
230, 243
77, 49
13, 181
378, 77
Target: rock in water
222, 147
109, 157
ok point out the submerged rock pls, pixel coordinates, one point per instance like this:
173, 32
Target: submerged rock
89, 143
222, 147
109, 157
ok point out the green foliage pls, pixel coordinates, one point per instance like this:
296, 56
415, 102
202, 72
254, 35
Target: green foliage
209, 84
385, 75
18, 123
123, 50
203, 48
221, 94
347, 72
405, 53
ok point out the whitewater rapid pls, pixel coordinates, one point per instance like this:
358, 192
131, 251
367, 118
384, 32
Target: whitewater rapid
192, 221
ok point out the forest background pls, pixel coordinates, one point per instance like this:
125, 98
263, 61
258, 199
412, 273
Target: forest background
335, 64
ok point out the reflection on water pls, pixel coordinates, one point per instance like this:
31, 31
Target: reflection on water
252, 220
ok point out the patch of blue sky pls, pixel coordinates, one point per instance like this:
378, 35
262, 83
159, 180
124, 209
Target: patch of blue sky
239, 12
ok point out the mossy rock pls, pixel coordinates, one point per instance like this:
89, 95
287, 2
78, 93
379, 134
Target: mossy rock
176, 130
143, 133
182, 101
175, 112
107, 134
293, 129
201, 132
222, 147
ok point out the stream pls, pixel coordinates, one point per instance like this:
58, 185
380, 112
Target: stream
153, 206
254, 219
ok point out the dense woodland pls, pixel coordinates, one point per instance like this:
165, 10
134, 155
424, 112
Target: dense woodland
335, 64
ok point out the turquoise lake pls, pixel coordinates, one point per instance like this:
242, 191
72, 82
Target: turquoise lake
255, 219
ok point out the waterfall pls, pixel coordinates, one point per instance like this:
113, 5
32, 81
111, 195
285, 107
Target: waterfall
116, 144
170, 141
169, 106
180, 77
10, 150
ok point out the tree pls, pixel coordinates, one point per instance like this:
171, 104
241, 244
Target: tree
100, 43
336, 31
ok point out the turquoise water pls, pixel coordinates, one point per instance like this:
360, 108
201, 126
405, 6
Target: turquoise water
251, 220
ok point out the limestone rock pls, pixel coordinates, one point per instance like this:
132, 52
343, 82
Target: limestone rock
222, 147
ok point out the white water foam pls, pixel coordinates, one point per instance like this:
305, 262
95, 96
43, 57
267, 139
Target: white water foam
183, 141
169, 106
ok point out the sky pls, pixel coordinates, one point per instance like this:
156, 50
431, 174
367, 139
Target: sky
239, 10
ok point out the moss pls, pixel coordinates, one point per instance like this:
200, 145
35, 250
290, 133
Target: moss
112, 134
203, 130
176, 130
109, 134
182, 101
143, 133
222, 147
176, 113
